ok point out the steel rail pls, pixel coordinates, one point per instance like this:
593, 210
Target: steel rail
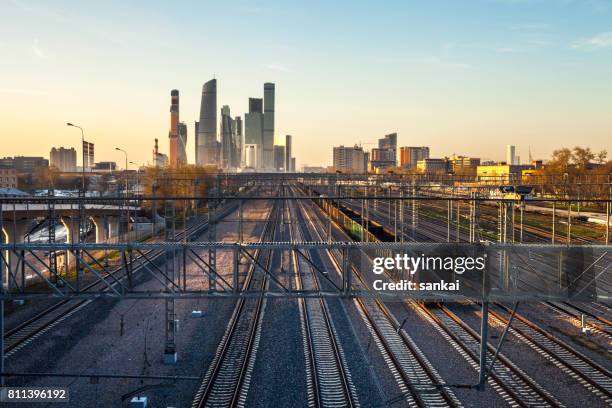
214, 387
427, 390
326, 337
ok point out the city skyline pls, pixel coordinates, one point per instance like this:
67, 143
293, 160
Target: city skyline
541, 74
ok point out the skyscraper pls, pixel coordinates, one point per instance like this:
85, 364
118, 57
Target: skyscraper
239, 140
182, 143
510, 155
279, 157
288, 154
196, 132
206, 139
228, 139
253, 130
268, 126
256, 105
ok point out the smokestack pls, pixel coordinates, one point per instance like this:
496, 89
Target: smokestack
174, 133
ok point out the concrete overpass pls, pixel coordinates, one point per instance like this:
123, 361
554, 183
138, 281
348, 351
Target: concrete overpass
16, 220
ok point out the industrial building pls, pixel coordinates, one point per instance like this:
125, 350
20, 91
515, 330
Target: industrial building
501, 173
178, 133
159, 159
464, 164
105, 166
173, 134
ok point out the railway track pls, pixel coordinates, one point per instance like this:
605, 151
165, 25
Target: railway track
418, 381
226, 382
435, 231
598, 309
330, 383
514, 385
511, 383
598, 325
593, 376
24, 333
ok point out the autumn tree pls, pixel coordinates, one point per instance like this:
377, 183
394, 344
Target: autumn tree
582, 156
602, 156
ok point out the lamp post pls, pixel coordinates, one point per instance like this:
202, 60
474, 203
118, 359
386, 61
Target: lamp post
83, 149
126, 168
137, 176
127, 205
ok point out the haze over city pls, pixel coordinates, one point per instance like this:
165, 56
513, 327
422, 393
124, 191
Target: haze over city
535, 74
306, 203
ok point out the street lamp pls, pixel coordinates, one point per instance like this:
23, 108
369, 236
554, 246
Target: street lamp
82, 148
126, 168
137, 176
127, 207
